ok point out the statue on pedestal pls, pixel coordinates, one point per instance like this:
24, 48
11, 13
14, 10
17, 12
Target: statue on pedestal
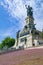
29, 10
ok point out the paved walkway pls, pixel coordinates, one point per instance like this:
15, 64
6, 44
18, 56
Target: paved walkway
30, 56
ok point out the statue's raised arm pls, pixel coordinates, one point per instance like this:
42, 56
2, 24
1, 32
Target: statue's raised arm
29, 10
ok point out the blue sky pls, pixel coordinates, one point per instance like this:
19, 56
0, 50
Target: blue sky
13, 13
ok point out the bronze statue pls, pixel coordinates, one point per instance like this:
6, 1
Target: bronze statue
29, 10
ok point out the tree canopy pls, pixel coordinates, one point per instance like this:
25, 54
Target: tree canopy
9, 42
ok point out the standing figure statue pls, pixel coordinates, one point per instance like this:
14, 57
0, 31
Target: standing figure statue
29, 10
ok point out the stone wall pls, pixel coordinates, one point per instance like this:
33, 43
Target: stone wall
28, 41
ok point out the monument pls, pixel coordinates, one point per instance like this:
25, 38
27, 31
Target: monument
29, 10
28, 37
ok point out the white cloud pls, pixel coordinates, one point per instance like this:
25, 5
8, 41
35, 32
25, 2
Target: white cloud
16, 9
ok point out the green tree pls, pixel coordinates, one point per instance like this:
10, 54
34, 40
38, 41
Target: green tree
9, 42
1, 46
